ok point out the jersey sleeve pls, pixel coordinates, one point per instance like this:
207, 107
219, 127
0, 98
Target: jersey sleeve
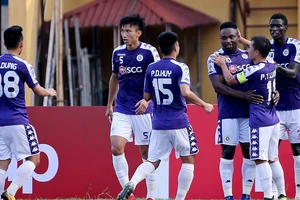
184, 77
30, 76
295, 57
147, 82
114, 64
154, 55
212, 68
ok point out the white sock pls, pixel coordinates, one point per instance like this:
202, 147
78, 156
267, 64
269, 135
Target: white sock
275, 191
265, 175
151, 184
185, 179
297, 174
226, 171
248, 172
278, 177
121, 169
23, 173
143, 170
2, 180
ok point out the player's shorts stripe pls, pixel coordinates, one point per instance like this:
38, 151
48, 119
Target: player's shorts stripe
193, 141
220, 137
31, 137
254, 143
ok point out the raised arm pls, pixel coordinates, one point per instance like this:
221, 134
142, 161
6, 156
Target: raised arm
229, 78
243, 40
220, 88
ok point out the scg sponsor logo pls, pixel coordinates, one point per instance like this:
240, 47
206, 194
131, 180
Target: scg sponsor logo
130, 70
285, 65
242, 67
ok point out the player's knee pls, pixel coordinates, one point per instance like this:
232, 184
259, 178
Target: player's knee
245, 150
228, 152
4, 164
35, 159
188, 159
117, 150
296, 149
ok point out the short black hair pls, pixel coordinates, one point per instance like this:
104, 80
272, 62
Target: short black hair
280, 16
166, 41
228, 25
12, 37
261, 44
133, 20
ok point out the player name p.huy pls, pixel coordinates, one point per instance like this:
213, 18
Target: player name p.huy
161, 73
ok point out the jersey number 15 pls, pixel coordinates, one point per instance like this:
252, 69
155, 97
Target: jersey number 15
158, 84
11, 87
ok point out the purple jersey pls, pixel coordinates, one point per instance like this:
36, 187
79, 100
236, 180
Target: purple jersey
288, 88
261, 77
230, 107
14, 72
131, 67
163, 79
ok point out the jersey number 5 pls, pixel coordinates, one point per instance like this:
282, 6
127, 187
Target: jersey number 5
158, 84
11, 87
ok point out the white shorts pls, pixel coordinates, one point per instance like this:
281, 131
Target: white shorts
18, 140
289, 125
232, 131
126, 125
162, 142
264, 142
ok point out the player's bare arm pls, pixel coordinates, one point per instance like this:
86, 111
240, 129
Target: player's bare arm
229, 78
291, 72
112, 93
42, 92
189, 95
243, 40
148, 97
141, 106
276, 97
220, 88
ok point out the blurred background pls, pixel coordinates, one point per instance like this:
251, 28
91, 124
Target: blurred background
70, 42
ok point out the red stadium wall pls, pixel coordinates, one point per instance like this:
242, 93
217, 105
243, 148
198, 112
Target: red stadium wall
76, 159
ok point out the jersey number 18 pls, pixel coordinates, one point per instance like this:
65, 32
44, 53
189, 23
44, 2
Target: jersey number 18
11, 87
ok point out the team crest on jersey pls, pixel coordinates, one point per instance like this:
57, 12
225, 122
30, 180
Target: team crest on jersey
122, 69
227, 59
245, 56
139, 57
232, 69
286, 52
